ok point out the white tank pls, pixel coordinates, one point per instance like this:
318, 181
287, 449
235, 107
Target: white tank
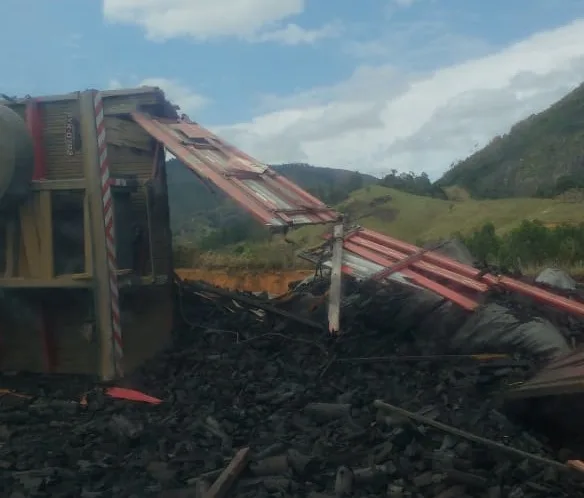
16, 159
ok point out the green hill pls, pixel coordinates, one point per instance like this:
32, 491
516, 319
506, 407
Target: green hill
542, 155
415, 218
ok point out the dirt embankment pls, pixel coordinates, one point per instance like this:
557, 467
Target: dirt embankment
272, 282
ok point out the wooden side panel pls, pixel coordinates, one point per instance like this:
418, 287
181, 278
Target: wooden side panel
127, 161
21, 346
126, 103
161, 234
134, 161
62, 139
70, 313
76, 342
147, 317
72, 343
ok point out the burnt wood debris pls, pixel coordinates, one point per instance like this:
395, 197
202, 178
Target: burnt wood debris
257, 403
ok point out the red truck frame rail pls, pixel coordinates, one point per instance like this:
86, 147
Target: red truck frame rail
271, 198
371, 255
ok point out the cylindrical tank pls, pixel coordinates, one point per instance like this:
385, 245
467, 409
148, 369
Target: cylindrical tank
16, 159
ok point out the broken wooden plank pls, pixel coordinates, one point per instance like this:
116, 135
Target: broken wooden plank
386, 407
229, 475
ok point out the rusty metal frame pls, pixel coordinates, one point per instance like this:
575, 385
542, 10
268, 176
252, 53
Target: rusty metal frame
362, 238
469, 272
463, 301
271, 198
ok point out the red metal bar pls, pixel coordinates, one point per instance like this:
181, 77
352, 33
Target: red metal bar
241, 164
347, 270
400, 264
430, 256
217, 165
455, 297
48, 340
35, 126
434, 270
281, 184
541, 295
195, 130
185, 156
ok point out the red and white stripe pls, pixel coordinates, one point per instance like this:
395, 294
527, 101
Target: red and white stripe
108, 215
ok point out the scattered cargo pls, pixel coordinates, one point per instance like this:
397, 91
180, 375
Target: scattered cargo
418, 388
300, 406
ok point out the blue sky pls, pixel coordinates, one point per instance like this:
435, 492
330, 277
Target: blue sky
263, 72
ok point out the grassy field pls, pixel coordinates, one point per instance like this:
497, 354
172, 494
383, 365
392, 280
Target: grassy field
414, 218
401, 215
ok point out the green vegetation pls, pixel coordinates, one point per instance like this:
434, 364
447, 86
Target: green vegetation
413, 184
419, 218
412, 218
542, 155
529, 247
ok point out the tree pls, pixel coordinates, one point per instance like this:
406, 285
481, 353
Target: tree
355, 181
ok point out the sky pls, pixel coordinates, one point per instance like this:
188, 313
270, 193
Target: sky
368, 85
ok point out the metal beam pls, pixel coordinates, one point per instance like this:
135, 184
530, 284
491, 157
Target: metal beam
101, 288
334, 305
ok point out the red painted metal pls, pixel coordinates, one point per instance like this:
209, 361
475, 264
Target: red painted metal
430, 256
543, 296
463, 301
565, 304
398, 265
131, 395
426, 267
110, 233
271, 198
34, 122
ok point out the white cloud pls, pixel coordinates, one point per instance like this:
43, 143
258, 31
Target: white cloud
189, 101
252, 20
292, 34
383, 118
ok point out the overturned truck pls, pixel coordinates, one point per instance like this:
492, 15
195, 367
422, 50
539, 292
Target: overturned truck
85, 252
86, 287
85, 242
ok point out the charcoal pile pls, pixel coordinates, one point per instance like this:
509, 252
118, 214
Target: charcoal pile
288, 411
